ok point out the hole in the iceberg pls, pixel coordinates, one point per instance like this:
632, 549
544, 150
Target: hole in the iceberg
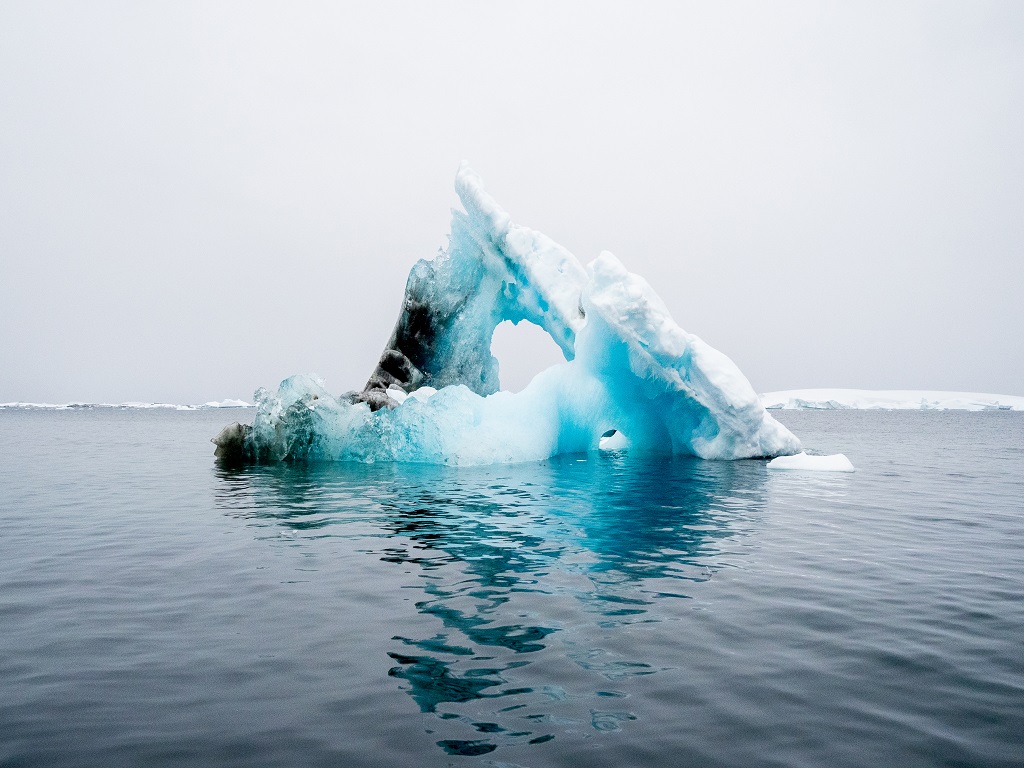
523, 351
613, 440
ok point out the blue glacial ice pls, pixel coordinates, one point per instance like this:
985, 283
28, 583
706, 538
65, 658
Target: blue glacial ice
631, 373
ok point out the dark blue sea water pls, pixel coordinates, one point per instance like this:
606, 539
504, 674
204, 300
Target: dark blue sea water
595, 610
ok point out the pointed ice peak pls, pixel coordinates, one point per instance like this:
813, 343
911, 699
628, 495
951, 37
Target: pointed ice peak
480, 205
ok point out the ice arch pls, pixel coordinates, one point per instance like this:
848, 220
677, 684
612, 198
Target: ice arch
433, 396
492, 271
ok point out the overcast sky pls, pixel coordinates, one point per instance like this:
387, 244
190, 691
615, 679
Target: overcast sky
197, 199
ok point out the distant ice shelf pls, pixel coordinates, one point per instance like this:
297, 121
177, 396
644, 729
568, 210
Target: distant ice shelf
132, 405
889, 399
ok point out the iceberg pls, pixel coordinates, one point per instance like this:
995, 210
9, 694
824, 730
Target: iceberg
630, 372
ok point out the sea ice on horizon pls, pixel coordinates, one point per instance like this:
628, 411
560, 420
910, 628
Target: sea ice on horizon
889, 399
131, 405
228, 403
435, 393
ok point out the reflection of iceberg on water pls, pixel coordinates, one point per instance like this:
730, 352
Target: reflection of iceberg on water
434, 396
515, 602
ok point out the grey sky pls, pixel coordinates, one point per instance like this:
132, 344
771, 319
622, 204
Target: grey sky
197, 199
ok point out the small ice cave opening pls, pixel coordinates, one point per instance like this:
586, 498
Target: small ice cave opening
613, 440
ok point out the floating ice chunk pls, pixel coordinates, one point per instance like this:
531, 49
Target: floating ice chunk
837, 462
434, 395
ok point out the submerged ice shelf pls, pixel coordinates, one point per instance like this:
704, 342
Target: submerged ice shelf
630, 374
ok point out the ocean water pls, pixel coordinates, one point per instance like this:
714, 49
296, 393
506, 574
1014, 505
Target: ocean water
594, 610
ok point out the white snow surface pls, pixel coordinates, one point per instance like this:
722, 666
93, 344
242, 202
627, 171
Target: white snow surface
837, 462
889, 399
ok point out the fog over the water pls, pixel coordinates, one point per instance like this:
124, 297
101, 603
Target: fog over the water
197, 199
